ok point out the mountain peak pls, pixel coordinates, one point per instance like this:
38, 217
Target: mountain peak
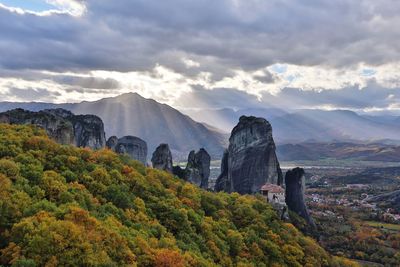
129, 94
124, 97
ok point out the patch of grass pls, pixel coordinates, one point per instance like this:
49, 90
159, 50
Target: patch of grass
388, 226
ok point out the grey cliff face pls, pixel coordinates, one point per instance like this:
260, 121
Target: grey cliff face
222, 183
63, 113
135, 147
89, 131
162, 158
112, 142
295, 186
57, 128
198, 168
62, 126
251, 158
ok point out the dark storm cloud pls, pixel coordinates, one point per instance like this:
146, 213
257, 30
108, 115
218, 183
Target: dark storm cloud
135, 35
266, 77
29, 94
372, 96
88, 82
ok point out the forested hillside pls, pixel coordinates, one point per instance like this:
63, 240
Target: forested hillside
62, 205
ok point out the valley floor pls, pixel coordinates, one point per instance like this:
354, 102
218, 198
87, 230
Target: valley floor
348, 225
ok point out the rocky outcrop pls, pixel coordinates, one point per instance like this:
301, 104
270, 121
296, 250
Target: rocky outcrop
198, 168
133, 146
88, 129
222, 183
179, 171
57, 128
112, 142
162, 158
295, 186
251, 158
62, 126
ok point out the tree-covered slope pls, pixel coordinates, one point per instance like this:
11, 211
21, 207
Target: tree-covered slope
68, 206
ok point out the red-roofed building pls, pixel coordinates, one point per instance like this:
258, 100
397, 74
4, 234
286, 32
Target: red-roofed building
273, 193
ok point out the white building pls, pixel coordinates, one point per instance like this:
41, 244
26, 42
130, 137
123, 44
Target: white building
273, 193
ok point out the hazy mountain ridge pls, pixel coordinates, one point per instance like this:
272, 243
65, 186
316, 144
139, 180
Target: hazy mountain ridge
339, 150
131, 114
295, 126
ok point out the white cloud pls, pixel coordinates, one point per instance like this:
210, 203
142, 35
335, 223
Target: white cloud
190, 63
72, 7
167, 85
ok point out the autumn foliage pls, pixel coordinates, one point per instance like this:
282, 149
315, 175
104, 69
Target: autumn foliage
68, 206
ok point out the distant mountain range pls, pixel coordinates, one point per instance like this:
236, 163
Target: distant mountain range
300, 134
131, 114
309, 125
340, 151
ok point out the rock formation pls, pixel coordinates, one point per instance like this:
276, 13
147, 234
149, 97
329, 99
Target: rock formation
222, 183
89, 131
178, 171
57, 128
112, 142
295, 186
162, 158
135, 147
62, 126
250, 160
198, 168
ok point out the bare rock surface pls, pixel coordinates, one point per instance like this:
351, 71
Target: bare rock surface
162, 158
198, 168
133, 146
295, 186
250, 160
62, 126
222, 183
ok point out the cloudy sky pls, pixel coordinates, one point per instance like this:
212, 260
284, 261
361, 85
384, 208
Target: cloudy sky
204, 53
